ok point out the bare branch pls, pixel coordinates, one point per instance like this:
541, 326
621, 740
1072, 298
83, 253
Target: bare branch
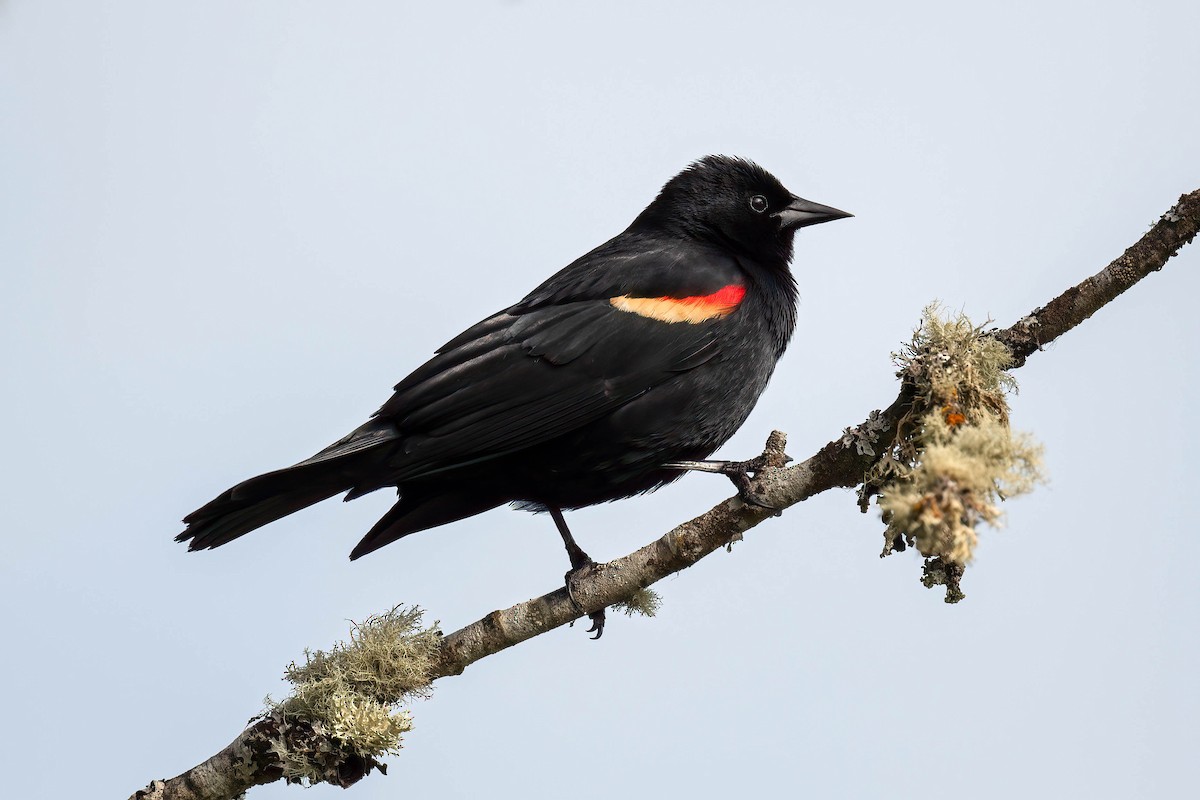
250, 759
1174, 229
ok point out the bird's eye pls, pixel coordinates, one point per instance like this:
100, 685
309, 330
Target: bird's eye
758, 203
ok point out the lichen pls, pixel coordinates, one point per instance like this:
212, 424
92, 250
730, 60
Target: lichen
351, 692
643, 602
955, 457
863, 437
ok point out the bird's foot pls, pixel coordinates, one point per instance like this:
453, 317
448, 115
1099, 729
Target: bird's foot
581, 569
581, 566
742, 473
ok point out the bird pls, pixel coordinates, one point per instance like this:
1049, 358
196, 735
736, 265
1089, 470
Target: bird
615, 376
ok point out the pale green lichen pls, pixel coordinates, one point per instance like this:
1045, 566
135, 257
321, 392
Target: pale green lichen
351, 691
643, 602
955, 457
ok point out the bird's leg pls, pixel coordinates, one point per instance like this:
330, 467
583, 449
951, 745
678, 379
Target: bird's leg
579, 562
738, 472
579, 559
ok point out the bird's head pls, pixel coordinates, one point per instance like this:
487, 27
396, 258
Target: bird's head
737, 204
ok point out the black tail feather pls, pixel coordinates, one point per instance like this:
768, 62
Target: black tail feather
273, 495
416, 511
258, 501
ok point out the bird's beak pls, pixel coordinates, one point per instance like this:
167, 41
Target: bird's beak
801, 213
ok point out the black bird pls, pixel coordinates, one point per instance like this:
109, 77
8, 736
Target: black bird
649, 350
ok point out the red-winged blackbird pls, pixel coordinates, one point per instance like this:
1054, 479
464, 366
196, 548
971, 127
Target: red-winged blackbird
651, 349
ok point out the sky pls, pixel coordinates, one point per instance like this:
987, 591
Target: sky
227, 228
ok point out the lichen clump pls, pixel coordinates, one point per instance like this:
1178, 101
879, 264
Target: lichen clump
643, 602
351, 691
955, 457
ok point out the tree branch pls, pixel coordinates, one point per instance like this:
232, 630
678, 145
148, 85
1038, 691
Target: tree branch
251, 759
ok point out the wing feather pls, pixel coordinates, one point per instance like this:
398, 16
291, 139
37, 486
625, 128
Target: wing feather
538, 376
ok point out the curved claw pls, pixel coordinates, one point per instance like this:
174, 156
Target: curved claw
746, 492
739, 472
597, 617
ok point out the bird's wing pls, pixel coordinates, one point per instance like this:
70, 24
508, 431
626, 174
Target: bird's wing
535, 372
637, 265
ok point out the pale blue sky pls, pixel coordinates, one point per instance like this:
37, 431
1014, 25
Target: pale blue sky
228, 228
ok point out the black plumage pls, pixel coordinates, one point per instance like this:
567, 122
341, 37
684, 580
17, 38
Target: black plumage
652, 348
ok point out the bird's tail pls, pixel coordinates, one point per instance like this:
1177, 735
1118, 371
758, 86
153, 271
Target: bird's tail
266, 498
253, 503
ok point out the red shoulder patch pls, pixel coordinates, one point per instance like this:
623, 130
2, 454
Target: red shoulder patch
696, 308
